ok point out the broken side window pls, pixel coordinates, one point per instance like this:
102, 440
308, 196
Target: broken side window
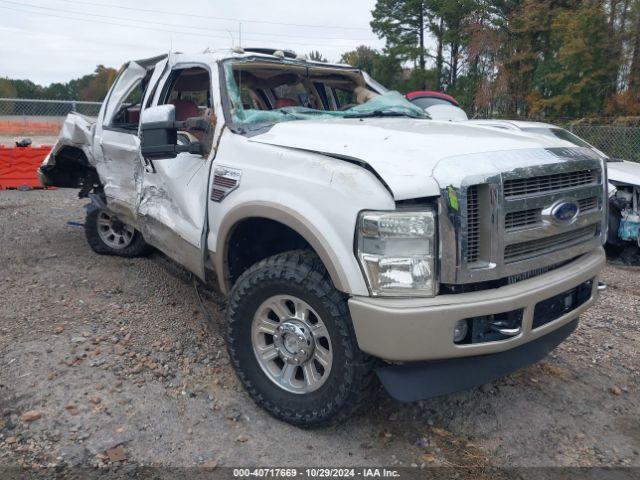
127, 108
127, 116
189, 91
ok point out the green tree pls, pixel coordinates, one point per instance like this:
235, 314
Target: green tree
387, 69
7, 89
92, 87
58, 91
95, 87
362, 57
450, 28
419, 79
316, 56
402, 23
384, 67
27, 89
574, 79
633, 78
405, 23
538, 57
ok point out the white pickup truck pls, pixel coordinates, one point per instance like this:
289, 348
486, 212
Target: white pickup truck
357, 239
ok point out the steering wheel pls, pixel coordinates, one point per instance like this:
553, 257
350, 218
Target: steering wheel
347, 106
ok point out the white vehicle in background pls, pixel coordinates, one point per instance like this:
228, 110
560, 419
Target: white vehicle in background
439, 106
623, 179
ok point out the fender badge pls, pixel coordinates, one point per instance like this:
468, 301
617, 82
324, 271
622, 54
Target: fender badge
225, 181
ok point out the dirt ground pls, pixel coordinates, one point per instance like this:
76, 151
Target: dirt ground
107, 364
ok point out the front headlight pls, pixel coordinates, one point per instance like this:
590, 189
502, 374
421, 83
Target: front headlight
397, 252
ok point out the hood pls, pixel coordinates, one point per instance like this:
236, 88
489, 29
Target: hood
624, 172
514, 124
403, 151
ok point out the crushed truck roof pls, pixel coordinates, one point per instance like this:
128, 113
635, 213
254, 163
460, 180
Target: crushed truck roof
228, 53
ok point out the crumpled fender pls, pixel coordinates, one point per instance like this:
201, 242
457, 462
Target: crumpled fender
77, 131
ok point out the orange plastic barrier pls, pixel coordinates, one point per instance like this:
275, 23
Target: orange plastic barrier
19, 126
19, 166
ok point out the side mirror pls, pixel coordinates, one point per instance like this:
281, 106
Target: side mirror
159, 133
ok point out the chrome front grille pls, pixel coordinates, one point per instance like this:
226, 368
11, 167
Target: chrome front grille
533, 273
473, 224
541, 246
529, 201
533, 216
522, 218
549, 183
501, 212
587, 204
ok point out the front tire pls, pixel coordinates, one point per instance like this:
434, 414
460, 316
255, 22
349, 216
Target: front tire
291, 341
107, 235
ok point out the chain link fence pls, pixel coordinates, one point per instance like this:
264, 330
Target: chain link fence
46, 108
617, 141
28, 116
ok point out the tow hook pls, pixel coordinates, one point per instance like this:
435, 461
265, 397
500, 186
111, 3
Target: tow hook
503, 329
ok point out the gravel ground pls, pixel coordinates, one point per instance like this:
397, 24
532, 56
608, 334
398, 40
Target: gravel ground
107, 364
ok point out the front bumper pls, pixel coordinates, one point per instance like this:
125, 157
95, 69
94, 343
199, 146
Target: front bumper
418, 329
415, 381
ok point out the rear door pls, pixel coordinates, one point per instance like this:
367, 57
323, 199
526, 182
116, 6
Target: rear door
116, 144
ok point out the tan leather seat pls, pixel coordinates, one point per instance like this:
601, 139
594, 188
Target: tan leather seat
185, 109
286, 102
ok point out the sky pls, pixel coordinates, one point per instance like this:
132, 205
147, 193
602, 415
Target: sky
50, 41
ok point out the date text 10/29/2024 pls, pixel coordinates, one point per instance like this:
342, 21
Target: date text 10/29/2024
315, 472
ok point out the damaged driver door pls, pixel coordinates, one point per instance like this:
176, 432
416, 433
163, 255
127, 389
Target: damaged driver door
172, 206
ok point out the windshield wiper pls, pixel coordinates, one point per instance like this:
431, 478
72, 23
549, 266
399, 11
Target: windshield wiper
300, 111
382, 113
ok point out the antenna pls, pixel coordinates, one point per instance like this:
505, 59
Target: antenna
240, 34
230, 36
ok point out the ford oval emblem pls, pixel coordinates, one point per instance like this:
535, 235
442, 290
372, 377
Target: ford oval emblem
565, 211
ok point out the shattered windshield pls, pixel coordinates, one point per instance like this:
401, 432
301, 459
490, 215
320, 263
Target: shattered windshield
266, 92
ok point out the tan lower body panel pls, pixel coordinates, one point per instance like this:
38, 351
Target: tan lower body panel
422, 328
173, 245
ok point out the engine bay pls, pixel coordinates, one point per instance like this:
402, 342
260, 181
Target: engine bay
624, 205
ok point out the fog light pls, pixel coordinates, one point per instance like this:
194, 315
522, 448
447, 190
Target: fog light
460, 330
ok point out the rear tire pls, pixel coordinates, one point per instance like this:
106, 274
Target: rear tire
106, 235
312, 339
